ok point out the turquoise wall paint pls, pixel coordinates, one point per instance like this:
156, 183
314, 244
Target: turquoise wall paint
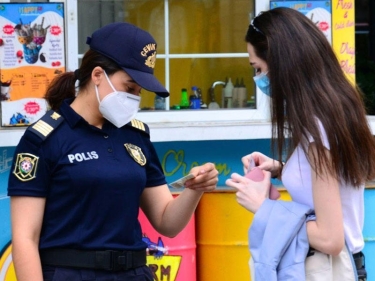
369, 233
179, 157
6, 156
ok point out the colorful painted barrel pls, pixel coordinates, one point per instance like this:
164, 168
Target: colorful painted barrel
222, 237
222, 244
171, 259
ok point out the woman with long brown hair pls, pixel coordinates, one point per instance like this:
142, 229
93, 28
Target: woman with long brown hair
319, 123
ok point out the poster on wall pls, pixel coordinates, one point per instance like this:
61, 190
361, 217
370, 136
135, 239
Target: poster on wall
318, 11
32, 53
344, 35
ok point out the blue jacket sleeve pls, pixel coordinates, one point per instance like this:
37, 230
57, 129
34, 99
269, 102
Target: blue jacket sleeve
278, 240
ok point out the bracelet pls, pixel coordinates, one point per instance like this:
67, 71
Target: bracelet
280, 169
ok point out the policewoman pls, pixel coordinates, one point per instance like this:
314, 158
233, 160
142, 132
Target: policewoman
82, 171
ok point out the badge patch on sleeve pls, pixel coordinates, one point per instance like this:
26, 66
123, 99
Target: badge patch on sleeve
25, 167
136, 153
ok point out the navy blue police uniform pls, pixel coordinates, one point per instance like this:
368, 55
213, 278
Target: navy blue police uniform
92, 180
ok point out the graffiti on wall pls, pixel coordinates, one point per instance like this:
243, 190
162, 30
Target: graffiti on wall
6, 265
174, 161
160, 263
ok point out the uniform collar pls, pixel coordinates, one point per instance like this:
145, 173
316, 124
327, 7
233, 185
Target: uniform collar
72, 117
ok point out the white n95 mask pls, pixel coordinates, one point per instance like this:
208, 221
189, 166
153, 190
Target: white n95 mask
118, 107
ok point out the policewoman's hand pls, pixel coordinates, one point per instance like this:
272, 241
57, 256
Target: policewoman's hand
206, 178
250, 194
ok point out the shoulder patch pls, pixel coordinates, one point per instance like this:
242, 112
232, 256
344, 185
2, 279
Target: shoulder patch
45, 125
25, 167
140, 126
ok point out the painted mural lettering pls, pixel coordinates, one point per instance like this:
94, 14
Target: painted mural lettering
154, 269
223, 169
173, 161
165, 272
177, 159
159, 275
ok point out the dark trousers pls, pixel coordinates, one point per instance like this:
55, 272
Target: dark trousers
51, 273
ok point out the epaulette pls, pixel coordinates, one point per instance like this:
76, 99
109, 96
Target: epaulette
45, 125
139, 125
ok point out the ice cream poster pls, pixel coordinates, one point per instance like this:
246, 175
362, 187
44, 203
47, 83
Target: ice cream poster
318, 11
32, 53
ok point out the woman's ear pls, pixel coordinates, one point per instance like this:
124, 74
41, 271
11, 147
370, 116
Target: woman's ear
97, 75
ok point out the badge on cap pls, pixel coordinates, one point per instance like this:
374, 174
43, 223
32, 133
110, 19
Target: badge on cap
25, 167
136, 153
150, 59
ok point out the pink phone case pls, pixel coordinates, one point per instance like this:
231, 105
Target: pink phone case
256, 174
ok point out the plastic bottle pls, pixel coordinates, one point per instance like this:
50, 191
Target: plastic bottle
242, 94
184, 104
235, 101
228, 94
223, 92
195, 102
159, 103
194, 91
203, 104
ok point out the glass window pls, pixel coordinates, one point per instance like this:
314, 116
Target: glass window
202, 41
203, 72
198, 26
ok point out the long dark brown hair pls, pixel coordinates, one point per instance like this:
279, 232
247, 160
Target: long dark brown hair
307, 81
63, 85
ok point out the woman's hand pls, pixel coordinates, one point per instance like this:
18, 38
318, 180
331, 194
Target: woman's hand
250, 194
206, 178
263, 162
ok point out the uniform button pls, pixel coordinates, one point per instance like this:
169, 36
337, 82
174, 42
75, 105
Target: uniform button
106, 136
110, 150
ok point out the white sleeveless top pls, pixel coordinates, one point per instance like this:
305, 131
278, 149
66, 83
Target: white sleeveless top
296, 178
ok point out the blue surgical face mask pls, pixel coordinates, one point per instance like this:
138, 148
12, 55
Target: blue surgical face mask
263, 83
